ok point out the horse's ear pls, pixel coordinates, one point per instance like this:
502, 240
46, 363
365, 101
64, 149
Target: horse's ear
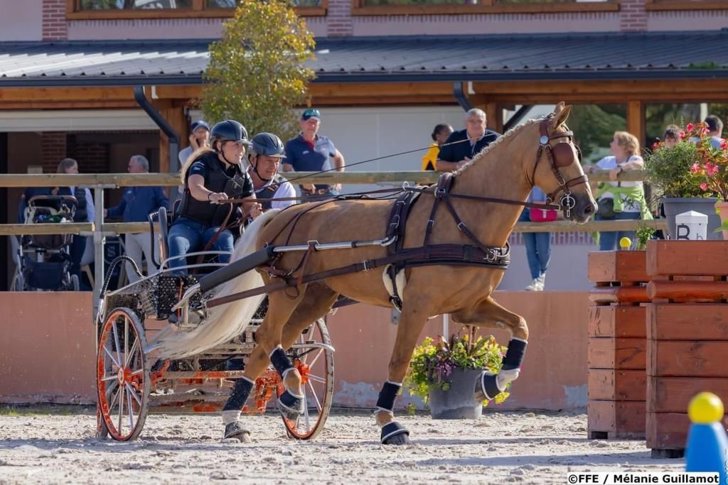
561, 112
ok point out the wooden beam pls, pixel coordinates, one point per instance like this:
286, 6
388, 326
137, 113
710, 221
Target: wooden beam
636, 120
494, 116
175, 116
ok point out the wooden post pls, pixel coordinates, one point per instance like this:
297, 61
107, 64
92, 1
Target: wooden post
616, 353
175, 116
636, 120
687, 336
494, 115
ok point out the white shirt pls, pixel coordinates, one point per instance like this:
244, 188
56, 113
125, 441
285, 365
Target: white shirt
609, 163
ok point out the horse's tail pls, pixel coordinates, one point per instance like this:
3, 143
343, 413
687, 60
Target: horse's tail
225, 321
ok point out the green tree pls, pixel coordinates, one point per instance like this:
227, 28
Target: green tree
257, 72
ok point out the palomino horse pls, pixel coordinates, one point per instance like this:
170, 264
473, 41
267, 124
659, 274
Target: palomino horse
477, 212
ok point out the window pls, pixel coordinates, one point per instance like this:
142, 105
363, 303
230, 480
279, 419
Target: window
394, 7
132, 9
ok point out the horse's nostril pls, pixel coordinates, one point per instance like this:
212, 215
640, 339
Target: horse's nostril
589, 209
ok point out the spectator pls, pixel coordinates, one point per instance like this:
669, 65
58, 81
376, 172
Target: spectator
439, 135
266, 154
311, 152
456, 152
538, 244
135, 206
671, 137
715, 127
211, 177
620, 200
199, 138
85, 212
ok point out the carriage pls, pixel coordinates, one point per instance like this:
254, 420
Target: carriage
428, 250
131, 382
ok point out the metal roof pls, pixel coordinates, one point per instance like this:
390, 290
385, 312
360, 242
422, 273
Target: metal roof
653, 55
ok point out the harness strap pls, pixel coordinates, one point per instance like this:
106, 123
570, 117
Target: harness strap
441, 192
438, 254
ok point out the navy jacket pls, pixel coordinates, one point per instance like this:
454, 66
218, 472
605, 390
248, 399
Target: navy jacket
138, 203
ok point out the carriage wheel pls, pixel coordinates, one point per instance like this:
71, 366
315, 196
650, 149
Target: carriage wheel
122, 380
317, 371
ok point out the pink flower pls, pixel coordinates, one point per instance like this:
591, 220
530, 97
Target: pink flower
689, 127
695, 168
704, 187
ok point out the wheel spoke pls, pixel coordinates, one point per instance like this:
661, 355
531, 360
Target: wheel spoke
108, 352
114, 398
116, 342
315, 357
130, 412
121, 410
126, 341
315, 397
131, 353
133, 394
315, 378
108, 378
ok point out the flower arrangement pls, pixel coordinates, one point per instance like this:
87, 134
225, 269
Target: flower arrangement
711, 163
693, 167
669, 169
434, 360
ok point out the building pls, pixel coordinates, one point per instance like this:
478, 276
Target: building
80, 78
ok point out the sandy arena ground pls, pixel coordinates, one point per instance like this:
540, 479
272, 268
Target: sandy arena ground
500, 447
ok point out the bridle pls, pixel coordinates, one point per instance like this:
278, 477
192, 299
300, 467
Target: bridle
559, 155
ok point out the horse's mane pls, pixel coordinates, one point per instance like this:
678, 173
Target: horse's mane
504, 138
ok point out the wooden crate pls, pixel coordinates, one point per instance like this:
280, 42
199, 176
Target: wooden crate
617, 345
687, 336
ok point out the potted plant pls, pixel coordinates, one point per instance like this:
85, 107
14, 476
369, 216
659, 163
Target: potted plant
444, 373
711, 168
681, 188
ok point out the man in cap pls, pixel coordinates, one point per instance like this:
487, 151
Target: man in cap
199, 138
311, 152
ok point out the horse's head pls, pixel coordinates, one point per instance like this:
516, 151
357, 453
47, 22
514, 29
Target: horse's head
557, 170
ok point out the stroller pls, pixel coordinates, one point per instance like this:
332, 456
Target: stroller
43, 262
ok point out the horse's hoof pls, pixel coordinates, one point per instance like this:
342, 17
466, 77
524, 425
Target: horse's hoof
290, 406
489, 386
236, 431
394, 434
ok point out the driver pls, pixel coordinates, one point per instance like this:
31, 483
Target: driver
265, 157
212, 176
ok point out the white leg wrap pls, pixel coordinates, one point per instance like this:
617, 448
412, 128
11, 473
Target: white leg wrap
230, 416
505, 377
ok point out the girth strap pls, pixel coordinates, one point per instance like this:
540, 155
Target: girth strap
396, 229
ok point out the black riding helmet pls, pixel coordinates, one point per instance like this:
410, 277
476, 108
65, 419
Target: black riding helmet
229, 130
267, 144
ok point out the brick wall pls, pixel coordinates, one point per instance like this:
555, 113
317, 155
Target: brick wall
55, 26
53, 150
339, 22
92, 157
632, 16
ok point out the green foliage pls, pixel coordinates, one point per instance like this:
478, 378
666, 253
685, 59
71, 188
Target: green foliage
256, 73
668, 170
594, 125
433, 361
644, 233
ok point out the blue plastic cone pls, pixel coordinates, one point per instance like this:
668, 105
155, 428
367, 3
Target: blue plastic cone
707, 446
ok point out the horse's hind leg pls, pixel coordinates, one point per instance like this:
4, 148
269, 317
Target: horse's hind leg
411, 323
316, 302
490, 314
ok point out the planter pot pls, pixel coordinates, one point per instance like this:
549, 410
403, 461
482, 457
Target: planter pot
458, 402
675, 205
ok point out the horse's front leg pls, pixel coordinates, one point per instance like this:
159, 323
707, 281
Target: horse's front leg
488, 313
411, 323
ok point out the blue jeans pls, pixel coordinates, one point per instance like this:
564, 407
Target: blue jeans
187, 236
538, 248
608, 240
